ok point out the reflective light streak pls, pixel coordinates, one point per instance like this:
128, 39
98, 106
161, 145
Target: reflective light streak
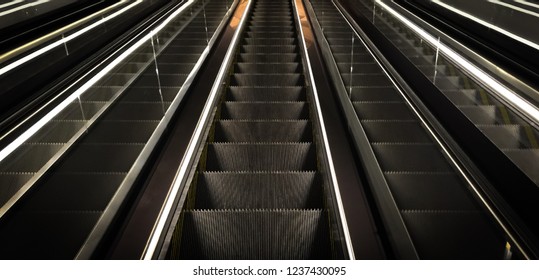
487, 24
496, 86
75, 95
10, 3
39, 2
523, 2
66, 39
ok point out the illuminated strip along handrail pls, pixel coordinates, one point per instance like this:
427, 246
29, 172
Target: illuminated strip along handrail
34, 43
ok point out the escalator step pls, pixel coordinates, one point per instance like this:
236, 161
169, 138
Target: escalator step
263, 131
258, 157
254, 68
290, 49
482, 114
273, 41
264, 94
59, 131
266, 80
255, 234
268, 58
264, 190
264, 110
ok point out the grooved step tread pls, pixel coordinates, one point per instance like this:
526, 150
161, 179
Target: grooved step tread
248, 190
255, 234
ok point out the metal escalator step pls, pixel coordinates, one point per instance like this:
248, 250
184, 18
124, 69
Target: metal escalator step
282, 28
75, 192
267, 190
101, 158
383, 111
10, 183
254, 68
255, 234
453, 235
484, 114
434, 191
42, 233
464, 97
266, 94
396, 132
121, 132
266, 80
382, 94
410, 157
447, 83
267, 58
268, 35
259, 157
269, 49
507, 136
263, 131
273, 41
264, 110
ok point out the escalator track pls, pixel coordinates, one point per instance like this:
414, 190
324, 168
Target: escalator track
258, 191
426, 204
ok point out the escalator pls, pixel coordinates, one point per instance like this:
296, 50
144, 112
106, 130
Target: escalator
258, 192
432, 210
65, 184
